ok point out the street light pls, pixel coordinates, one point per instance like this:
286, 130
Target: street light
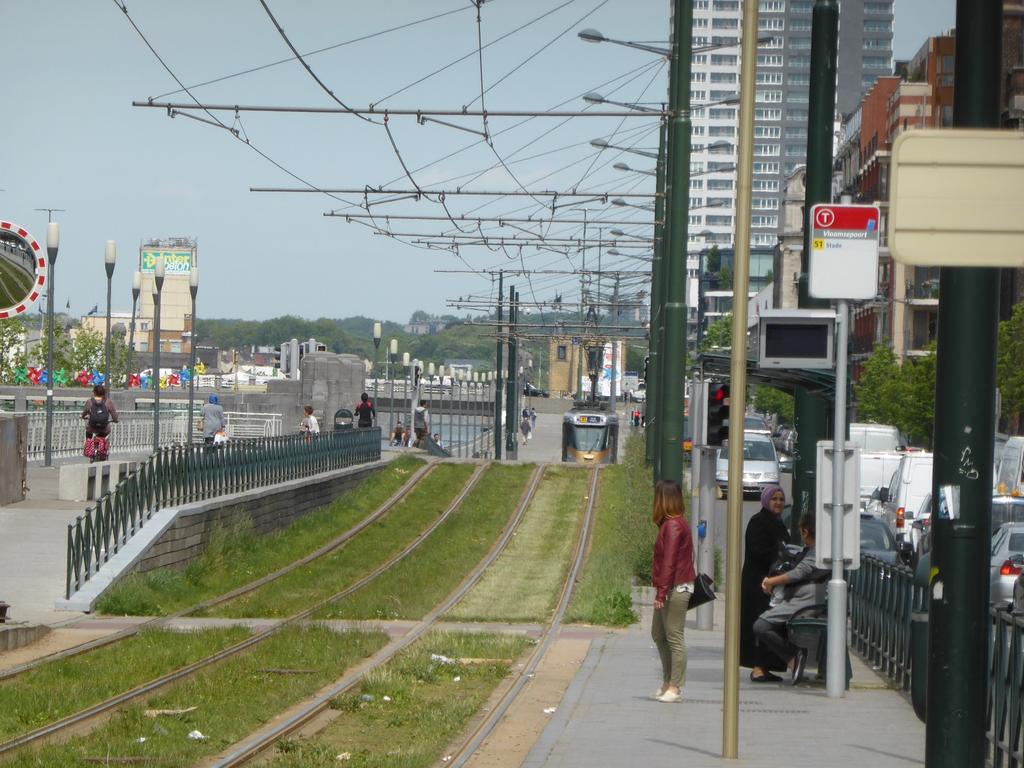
52, 246
392, 356
193, 288
602, 144
593, 36
378, 330
596, 98
158, 285
109, 257
136, 290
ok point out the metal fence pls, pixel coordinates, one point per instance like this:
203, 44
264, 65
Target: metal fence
882, 598
183, 474
133, 432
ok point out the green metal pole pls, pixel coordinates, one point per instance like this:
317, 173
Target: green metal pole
958, 622
673, 359
810, 410
511, 422
657, 301
498, 438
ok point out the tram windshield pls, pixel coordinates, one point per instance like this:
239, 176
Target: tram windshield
590, 438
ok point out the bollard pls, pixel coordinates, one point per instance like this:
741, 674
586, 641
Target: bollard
4, 607
919, 639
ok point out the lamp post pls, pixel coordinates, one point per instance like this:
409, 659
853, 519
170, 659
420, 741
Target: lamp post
193, 288
378, 330
52, 245
392, 356
406, 362
109, 258
136, 290
158, 284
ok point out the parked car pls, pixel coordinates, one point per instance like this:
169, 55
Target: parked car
752, 423
760, 464
786, 462
639, 395
901, 499
532, 391
1007, 562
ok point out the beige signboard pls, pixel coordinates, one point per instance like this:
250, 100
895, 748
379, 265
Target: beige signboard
957, 198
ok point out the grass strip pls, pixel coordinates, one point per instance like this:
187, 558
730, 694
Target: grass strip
28, 702
429, 705
373, 545
524, 582
621, 543
238, 555
422, 580
231, 700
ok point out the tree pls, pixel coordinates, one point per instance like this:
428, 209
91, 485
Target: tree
713, 261
718, 334
1010, 367
918, 418
12, 348
878, 390
419, 316
87, 351
770, 400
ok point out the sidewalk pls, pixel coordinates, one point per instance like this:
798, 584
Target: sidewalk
608, 718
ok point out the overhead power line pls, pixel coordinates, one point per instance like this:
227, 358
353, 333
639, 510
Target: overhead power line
178, 105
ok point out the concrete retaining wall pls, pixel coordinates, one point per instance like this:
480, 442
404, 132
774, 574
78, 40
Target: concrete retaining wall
13, 433
18, 635
265, 510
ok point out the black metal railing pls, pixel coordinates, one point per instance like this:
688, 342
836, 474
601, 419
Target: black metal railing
183, 474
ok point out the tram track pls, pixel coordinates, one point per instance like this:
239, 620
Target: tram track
82, 718
159, 621
248, 749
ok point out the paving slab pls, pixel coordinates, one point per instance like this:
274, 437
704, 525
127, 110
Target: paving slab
607, 716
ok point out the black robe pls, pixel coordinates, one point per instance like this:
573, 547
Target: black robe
765, 532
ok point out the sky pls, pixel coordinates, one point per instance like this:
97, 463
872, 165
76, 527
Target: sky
73, 140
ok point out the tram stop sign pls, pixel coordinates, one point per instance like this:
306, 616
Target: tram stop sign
843, 250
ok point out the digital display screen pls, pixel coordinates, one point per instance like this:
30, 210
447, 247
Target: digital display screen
796, 340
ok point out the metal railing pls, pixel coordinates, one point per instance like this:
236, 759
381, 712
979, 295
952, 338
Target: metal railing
1005, 707
882, 598
183, 474
133, 432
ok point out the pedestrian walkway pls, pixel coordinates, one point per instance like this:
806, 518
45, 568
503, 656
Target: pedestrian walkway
608, 718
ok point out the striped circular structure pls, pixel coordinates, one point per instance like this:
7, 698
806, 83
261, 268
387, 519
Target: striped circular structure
39, 259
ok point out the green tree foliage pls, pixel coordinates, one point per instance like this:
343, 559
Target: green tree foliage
901, 395
1010, 367
718, 334
770, 400
12, 348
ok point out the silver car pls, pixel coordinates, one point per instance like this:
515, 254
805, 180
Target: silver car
1007, 562
760, 464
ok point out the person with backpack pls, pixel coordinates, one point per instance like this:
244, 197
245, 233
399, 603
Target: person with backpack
99, 413
421, 422
365, 412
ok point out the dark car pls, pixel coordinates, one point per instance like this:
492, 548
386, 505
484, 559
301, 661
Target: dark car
531, 391
877, 540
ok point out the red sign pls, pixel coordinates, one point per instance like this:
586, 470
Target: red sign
857, 217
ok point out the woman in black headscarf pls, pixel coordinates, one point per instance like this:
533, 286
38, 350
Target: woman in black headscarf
765, 532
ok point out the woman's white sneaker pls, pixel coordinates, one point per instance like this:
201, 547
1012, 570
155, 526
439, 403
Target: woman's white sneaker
669, 697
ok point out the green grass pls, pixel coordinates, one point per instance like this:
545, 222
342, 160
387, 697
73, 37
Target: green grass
238, 555
427, 711
231, 701
621, 543
429, 574
28, 701
327, 575
524, 582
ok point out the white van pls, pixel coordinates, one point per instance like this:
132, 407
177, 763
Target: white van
901, 500
877, 438
876, 470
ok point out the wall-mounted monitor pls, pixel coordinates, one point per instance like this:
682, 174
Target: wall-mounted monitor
797, 338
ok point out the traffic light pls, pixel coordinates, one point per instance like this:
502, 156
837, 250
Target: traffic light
718, 413
277, 356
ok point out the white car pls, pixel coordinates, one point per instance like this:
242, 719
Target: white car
639, 395
760, 464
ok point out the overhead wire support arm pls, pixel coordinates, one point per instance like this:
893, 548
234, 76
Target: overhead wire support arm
470, 220
518, 113
450, 192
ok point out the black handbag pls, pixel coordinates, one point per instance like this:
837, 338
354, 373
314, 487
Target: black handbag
703, 591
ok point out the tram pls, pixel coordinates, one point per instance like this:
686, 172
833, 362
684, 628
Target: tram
590, 435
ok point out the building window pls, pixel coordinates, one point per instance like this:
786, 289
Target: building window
561, 352
725, 22
765, 185
723, 60
764, 221
796, 115
768, 97
766, 150
800, 6
696, 183
878, 44
771, 24
878, 9
765, 204
726, 5
718, 185
767, 131
800, 25
771, 6
766, 168
799, 97
800, 61
875, 62
722, 114
721, 130
719, 221
761, 113
175, 346
800, 43
874, 25
700, 23
769, 78
947, 63
799, 78
698, 77
769, 60
723, 77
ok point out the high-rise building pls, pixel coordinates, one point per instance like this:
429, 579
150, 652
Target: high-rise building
179, 255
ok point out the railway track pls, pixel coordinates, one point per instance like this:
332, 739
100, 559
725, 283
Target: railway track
248, 749
83, 717
245, 589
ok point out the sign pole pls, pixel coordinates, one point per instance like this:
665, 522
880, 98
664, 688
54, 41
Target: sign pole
835, 671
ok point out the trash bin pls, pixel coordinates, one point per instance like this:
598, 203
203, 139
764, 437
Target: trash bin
342, 419
919, 639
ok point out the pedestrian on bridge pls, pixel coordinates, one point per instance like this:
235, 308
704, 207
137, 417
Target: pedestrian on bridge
421, 422
365, 412
99, 413
213, 418
672, 574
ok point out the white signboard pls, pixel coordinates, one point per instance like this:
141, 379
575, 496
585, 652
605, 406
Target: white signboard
843, 248
851, 498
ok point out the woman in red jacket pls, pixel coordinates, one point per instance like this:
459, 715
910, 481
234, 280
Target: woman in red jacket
672, 575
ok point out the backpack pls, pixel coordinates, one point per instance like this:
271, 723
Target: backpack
99, 415
365, 411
